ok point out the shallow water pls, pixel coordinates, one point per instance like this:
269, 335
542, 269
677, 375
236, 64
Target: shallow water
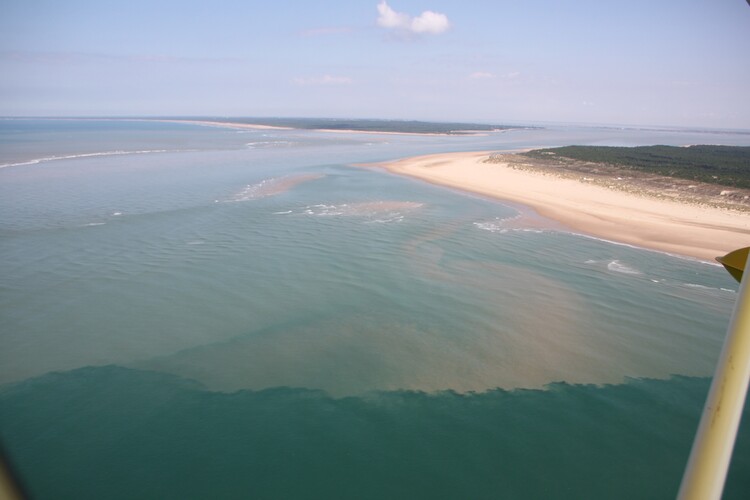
255, 260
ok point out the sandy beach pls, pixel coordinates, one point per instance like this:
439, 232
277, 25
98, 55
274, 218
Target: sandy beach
671, 226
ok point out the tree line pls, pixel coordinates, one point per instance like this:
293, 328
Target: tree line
724, 165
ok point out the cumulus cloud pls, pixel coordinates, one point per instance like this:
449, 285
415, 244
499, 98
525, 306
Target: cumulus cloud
389, 18
427, 22
430, 22
323, 80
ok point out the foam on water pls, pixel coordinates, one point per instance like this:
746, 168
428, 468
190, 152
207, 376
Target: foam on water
501, 229
270, 144
272, 186
36, 161
705, 288
619, 267
497, 225
524, 220
383, 211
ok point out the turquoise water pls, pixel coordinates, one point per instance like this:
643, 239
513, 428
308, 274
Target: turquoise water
247, 314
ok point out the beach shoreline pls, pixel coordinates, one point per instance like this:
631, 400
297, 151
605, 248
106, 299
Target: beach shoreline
666, 225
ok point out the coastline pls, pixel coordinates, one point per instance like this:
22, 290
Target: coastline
209, 123
261, 126
670, 226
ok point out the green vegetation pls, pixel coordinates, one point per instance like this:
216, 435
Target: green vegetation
725, 165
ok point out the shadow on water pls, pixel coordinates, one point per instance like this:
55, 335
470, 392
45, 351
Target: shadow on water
113, 432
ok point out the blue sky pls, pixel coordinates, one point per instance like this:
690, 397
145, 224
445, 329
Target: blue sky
643, 62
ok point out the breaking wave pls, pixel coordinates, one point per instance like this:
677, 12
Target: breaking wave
618, 267
45, 159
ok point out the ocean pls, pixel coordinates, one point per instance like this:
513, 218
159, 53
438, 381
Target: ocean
192, 312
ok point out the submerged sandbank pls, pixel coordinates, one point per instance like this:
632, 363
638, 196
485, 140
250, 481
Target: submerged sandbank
665, 225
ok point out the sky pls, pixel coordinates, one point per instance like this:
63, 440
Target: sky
636, 62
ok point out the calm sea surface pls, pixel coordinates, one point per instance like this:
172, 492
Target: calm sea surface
199, 312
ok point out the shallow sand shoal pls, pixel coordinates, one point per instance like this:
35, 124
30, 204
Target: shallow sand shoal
669, 226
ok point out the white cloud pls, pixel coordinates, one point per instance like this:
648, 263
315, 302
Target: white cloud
427, 22
481, 75
430, 22
323, 80
389, 18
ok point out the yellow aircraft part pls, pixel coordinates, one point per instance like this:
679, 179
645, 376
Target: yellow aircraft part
734, 262
712, 449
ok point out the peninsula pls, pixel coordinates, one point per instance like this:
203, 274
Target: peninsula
677, 216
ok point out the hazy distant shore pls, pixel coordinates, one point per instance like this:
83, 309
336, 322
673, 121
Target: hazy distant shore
394, 127
676, 227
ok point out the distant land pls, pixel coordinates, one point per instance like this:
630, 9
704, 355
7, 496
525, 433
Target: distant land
359, 125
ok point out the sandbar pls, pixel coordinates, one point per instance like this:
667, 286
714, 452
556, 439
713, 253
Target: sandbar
671, 226
209, 123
